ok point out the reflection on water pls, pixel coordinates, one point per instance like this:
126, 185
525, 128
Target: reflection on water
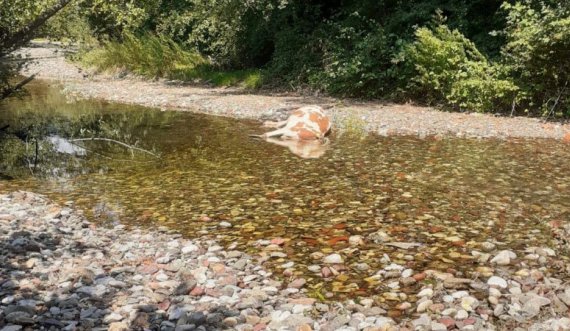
447, 195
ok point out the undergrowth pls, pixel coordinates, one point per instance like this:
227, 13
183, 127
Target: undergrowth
159, 57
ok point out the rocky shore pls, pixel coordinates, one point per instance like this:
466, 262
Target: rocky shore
59, 271
50, 63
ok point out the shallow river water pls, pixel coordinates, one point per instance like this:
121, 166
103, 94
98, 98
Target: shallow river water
203, 175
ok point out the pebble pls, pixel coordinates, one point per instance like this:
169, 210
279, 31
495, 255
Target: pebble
497, 281
333, 259
171, 283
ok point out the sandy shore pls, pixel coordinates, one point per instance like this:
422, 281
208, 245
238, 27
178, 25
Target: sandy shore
382, 118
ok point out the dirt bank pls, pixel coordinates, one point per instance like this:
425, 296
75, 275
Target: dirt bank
382, 118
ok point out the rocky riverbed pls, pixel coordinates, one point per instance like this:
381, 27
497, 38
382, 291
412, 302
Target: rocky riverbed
60, 271
49, 63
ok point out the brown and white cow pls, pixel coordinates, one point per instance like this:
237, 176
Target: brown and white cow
305, 123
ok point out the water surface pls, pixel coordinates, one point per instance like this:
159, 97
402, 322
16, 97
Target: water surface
202, 173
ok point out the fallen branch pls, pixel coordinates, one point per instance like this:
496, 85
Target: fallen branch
9, 91
116, 142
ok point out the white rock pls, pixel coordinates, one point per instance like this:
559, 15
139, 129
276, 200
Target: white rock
333, 259
461, 314
407, 273
113, 317
504, 257
438, 327
469, 303
497, 281
494, 292
426, 292
189, 249
423, 306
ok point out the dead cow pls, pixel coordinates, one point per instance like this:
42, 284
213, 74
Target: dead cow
305, 123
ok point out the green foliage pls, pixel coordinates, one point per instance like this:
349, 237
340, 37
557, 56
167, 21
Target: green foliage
537, 54
70, 25
356, 60
160, 57
149, 55
448, 67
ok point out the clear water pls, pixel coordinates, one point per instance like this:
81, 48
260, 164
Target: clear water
449, 195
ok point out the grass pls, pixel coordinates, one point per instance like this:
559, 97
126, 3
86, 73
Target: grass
158, 57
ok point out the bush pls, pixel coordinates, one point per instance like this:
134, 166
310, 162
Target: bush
448, 67
537, 54
356, 59
149, 55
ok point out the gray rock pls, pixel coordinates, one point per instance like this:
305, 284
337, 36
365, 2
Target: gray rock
20, 318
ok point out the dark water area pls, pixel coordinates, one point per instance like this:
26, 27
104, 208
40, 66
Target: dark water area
203, 176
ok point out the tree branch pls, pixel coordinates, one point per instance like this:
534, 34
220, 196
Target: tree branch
116, 142
25, 34
11, 90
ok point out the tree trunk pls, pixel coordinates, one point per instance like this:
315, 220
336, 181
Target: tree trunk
25, 34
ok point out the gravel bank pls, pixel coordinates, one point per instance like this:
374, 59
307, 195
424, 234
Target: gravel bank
59, 271
384, 119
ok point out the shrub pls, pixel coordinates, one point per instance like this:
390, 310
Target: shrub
537, 54
448, 67
356, 59
148, 55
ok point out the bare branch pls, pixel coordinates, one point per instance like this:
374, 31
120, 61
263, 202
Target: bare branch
11, 90
116, 142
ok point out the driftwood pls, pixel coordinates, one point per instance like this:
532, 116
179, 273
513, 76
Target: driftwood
11, 90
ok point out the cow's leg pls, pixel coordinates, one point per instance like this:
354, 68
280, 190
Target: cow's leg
275, 133
279, 124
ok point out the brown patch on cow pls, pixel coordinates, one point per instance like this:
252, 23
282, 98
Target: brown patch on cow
324, 125
305, 134
298, 126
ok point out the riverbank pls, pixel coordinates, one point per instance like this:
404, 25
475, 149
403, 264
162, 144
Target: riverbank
60, 271
381, 118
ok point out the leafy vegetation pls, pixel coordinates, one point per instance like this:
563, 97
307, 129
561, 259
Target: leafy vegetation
481, 55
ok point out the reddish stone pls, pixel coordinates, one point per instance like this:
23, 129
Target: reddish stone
297, 283
153, 285
447, 321
278, 241
228, 280
213, 292
326, 272
197, 291
302, 301
218, 268
164, 305
469, 321
419, 277
436, 307
259, 327
205, 219
566, 138
148, 269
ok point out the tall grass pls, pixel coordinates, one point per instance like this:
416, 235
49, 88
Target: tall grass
159, 57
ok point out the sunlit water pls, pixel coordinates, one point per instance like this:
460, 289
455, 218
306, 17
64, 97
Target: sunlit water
448, 195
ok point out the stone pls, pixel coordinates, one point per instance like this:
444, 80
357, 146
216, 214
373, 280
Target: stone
426, 292
118, 326
438, 326
469, 303
113, 317
423, 306
20, 317
504, 257
333, 259
497, 281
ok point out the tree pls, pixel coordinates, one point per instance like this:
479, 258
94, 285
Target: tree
19, 21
